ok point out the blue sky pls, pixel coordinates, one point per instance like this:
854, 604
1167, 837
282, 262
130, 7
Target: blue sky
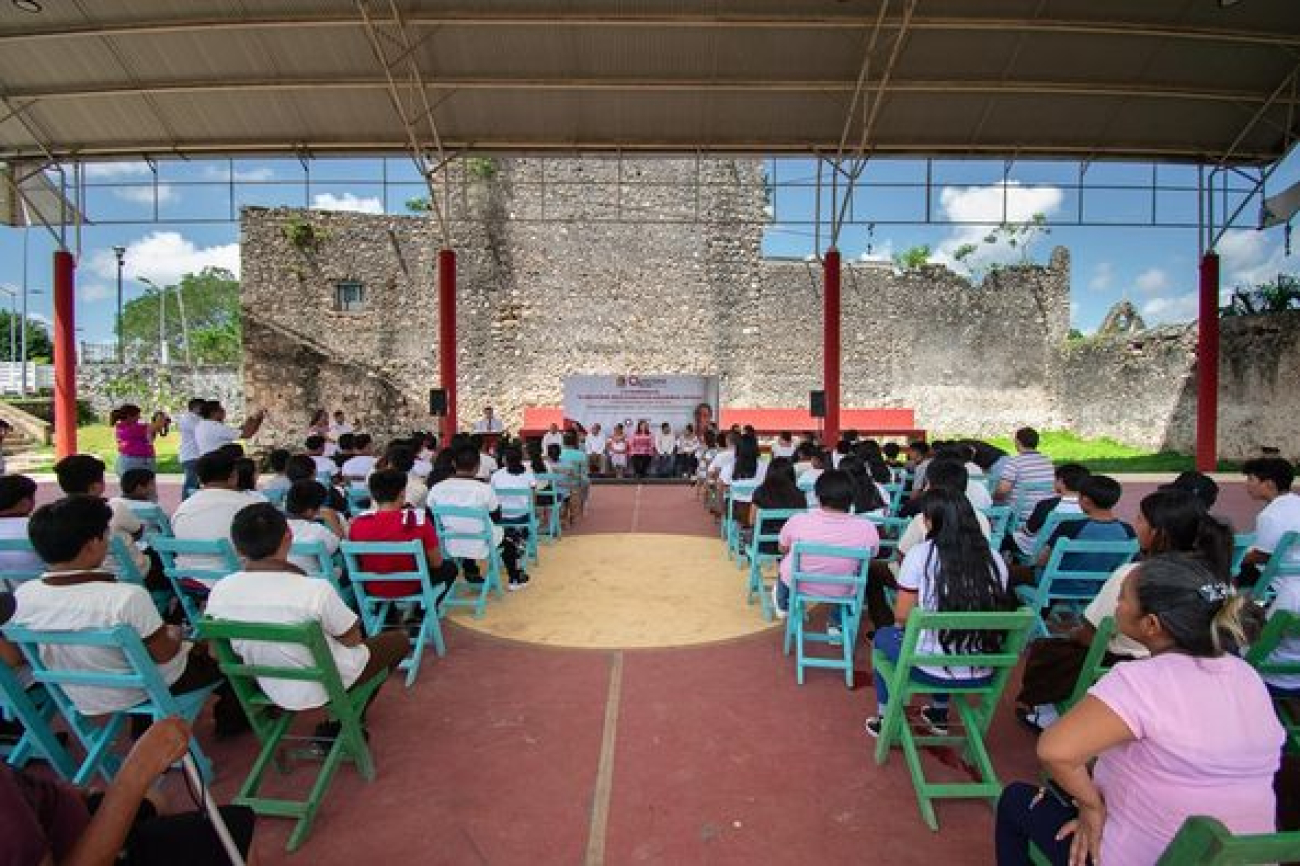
1154, 267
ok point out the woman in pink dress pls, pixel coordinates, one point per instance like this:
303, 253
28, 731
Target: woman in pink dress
642, 448
135, 438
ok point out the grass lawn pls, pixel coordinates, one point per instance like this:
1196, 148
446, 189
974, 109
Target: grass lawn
98, 439
1104, 455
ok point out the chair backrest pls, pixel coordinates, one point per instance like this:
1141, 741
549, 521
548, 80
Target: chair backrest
126, 568
1049, 527
155, 520
895, 491
219, 555
516, 502
1204, 841
561, 482
319, 557
768, 523
999, 524
801, 579
1241, 545
1282, 625
418, 574
1014, 625
276, 496
20, 546
1094, 663
1279, 565
326, 479
891, 531
1077, 569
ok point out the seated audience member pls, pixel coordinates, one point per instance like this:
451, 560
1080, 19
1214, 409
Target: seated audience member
301, 468
246, 475
784, 445
868, 496
618, 451
83, 475
892, 454
1202, 486
401, 456
487, 464
139, 485
747, 467
778, 492
515, 476
1027, 467
17, 500
425, 446
394, 520
665, 451
594, 446
1098, 496
1189, 731
315, 446
1068, 477
830, 523
918, 461
977, 492
207, 515
357, 468
687, 460
76, 593
274, 478
1269, 480
346, 449
552, 436
303, 505
465, 490
574, 462
211, 431
952, 570
272, 590
1170, 520
47, 821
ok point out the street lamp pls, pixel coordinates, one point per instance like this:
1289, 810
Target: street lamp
120, 253
162, 318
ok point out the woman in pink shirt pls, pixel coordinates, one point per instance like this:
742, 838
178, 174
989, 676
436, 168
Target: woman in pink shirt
134, 437
1189, 731
642, 448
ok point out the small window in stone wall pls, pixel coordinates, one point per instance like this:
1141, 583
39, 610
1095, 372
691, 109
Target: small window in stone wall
349, 296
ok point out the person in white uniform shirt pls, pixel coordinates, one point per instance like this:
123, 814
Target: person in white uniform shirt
211, 431
553, 435
489, 423
207, 515
189, 447
17, 499
597, 461
1269, 480
358, 467
466, 490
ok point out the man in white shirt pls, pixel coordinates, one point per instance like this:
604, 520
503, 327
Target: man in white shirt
17, 499
1027, 467
189, 446
487, 464
208, 514
272, 590
211, 431
489, 423
75, 593
315, 446
466, 490
302, 505
358, 467
83, 475
597, 461
1269, 480
553, 435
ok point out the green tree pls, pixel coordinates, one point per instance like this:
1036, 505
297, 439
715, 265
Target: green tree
912, 258
1277, 296
211, 302
39, 348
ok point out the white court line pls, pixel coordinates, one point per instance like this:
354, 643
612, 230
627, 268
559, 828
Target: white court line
605, 771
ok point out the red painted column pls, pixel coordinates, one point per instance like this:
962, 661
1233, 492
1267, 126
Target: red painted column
1207, 367
447, 337
831, 346
65, 356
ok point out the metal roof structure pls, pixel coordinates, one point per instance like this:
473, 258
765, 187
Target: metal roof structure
1203, 81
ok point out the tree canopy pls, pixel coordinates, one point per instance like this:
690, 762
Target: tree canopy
211, 302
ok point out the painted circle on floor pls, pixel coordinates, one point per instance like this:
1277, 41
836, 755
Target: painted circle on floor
626, 591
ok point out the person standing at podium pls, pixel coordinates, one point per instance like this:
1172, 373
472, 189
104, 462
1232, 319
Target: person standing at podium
489, 423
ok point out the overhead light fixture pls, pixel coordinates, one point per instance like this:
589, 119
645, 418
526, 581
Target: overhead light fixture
1226, 3
32, 6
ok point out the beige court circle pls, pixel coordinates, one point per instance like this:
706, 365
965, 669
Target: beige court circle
626, 591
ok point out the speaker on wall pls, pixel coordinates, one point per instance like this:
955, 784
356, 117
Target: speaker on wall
438, 401
817, 404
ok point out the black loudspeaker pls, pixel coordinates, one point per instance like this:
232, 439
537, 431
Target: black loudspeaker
438, 401
817, 404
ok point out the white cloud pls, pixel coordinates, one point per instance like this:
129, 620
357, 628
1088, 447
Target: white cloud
1177, 308
116, 170
144, 195
1248, 257
347, 201
985, 207
95, 291
222, 173
164, 257
1152, 281
1103, 277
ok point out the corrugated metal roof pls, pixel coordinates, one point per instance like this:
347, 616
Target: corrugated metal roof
1181, 80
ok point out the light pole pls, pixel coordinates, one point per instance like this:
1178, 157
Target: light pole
22, 331
162, 319
120, 253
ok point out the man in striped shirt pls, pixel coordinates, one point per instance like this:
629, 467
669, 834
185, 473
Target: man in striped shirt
1027, 467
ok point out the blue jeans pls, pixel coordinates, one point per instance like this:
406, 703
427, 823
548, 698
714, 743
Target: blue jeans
783, 604
889, 640
1021, 821
125, 464
191, 482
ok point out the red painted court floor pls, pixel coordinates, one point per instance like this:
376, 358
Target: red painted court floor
506, 753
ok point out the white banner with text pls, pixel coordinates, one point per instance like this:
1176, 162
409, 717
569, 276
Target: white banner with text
629, 399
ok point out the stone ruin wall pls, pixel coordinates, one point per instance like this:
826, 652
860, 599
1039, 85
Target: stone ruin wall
583, 266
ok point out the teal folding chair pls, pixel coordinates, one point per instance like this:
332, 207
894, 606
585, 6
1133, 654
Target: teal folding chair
458, 526
216, 558
891, 531
558, 485
767, 533
155, 520
798, 633
323, 565
358, 497
139, 673
11, 577
1044, 535
515, 500
375, 609
1241, 544
127, 571
34, 709
999, 517
1071, 584
1279, 566
276, 496
731, 524
895, 491
807, 484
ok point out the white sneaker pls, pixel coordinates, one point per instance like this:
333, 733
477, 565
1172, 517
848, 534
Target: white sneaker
835, 633
776, 605
516, 585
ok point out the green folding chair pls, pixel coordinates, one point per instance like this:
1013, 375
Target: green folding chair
1203, 841
271, 723
767, 532
1282, 625
798, 633
1094, 665
1072, 584
974, 705
1279, 566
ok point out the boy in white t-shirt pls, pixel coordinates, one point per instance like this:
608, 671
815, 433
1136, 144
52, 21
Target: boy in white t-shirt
76, 593
357, 468
464, 489
17, 499
303, 505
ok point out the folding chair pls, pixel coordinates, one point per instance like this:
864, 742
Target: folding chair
155, 520
807, 484
516, 499
891, 531
324, 566
34, 709
974, 717
895, 491
730, 524
188, 580
1278, 566
999, 517
1072, 585
276, 496
1203, 841
1281, 625
128, 572
475, 526
374, 609
1044, 534
10, 578
1094, 665
358, 496
271, 723
767, 531
850, 606
1241, 544
554, 529
140, 673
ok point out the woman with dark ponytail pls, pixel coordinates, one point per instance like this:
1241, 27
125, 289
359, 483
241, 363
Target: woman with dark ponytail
1189, 731
954, 571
